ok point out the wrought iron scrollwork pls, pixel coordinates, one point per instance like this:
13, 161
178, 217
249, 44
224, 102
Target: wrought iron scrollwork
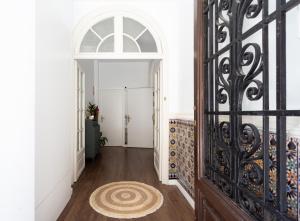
250, 205
245, 155
223, 23
223, 84
249, 141
225, 186
222, 159
252, 9
251, 174
252, 60
249, 9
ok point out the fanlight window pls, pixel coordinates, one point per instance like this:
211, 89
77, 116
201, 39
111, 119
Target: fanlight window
134, 37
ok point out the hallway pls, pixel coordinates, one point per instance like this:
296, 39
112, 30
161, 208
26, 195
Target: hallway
124, 164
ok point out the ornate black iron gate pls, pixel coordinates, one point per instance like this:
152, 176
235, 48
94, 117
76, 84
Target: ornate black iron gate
249, 154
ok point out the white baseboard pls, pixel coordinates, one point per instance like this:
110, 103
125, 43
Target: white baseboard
53, 204
184, 193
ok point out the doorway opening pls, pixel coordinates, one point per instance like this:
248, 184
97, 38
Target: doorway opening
121, 59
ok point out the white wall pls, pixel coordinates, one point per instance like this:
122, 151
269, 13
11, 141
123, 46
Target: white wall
54, 107
17, 110
130, 74
185, 86
175, 19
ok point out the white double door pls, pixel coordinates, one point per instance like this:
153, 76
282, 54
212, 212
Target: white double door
126, 116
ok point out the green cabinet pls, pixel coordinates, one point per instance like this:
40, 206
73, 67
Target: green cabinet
92, 136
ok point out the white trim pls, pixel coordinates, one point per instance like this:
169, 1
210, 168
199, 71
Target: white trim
183, 191
123, 11
298, 21
118, 56
181, 116
118, 33
164, 122
74, 134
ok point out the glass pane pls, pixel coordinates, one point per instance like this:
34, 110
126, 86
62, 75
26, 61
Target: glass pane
107, 45
147, 42
292, 59
89, 42
132, 27
105, 27
129, 45
272, 65
272, 6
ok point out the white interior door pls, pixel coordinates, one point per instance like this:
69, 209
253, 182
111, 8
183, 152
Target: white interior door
156, 129
112, 115
140, 112
80, 123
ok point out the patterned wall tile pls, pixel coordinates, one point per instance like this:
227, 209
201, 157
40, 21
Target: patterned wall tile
182, 163
182, 153
173, 150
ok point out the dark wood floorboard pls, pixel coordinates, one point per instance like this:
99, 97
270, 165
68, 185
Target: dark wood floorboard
124, 164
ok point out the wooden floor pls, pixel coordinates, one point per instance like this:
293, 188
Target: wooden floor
124, 164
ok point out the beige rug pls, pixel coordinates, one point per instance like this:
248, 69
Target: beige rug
126, 200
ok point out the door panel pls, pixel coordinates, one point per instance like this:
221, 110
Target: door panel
80, 125
156, 129
246, 110
209, 213
214, 206
140, 111
112, 115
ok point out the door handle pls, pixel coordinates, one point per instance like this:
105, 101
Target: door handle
128, 117
102, 119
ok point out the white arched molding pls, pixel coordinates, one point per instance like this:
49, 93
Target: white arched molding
147, 35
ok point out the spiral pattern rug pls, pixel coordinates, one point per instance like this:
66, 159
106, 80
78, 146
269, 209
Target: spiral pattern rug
126, 200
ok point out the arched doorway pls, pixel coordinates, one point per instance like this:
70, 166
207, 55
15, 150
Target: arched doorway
122, 36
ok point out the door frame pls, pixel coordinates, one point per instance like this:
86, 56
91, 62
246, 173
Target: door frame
99, 14
79, 92
163, 173
210, 202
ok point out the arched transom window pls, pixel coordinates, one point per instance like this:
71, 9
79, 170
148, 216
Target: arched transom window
118, 34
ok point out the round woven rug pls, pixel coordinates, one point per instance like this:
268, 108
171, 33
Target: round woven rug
126, 200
